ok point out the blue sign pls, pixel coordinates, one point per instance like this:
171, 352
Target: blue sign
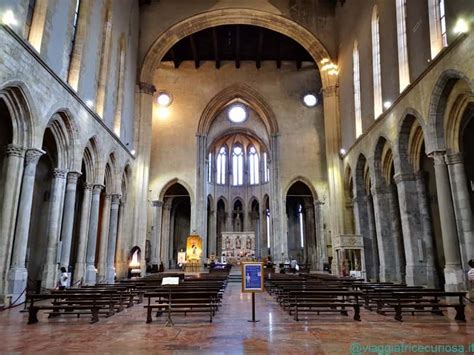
252, 277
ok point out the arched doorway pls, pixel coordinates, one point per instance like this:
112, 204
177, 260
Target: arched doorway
301, 224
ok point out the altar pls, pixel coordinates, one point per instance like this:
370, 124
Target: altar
238, 247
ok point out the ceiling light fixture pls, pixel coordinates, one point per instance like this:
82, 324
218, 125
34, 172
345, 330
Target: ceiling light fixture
164, 99
237, 113
310, 99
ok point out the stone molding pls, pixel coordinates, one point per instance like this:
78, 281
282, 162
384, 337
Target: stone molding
73, 176
59, 173
402, 177
157, 203
97, 188
116, 199
438, 157
88, 186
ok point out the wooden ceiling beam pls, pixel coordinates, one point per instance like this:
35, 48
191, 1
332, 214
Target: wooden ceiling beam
237, 46
259, 48
216, 47
278, 54
175, 60
194, 51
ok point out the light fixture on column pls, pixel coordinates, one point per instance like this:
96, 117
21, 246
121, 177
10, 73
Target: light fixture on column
462, 26
387, 104
8, 18
90, 103
310, 99
164, 99
133, 151
342, 153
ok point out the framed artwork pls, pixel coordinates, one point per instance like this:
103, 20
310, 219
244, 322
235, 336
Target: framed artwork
252, 277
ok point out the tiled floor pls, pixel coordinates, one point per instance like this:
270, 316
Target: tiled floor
230, 332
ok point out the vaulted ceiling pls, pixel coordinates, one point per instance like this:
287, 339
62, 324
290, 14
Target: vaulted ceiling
237, 43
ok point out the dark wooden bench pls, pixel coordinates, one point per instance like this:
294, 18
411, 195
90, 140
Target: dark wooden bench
70, 304
182, 301
324, 301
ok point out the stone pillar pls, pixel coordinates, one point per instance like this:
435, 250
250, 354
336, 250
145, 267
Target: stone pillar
453, 273
121, 254
211, 232
80, 267
427, 235
113, 226
68, 217
11, 179
18, 275
50, 270
91, 275
385, 238
416, 263
156, 236
372, 236
104, 236
143, 132
199, 212
462, 206
321, 244
165, 234
397, 237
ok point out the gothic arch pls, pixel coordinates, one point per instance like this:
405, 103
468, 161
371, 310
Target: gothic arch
171, 183
230, 16
224, 201
21, 112
436, 137
90, 158
362, 176
304, 181
383, 159
238, 92
410, 141
251, 200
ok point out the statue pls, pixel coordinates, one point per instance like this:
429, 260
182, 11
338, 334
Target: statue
238, 243
248, 243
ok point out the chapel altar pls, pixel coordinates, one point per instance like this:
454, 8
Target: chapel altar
238, 247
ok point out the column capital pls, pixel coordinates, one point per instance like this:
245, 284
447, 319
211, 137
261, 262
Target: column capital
379, 189
97, 188
32, 156
157, 203
454, 158
402, 177
73, 176
438, 157
59, 173
317, 203
146, 88
87, 186
116, 199
14, 150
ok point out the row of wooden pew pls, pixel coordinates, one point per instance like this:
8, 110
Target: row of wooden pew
193, 294
320, 293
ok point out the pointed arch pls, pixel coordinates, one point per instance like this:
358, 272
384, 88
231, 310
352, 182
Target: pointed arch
383, 159
410, 141
305, 181
243, 93
173, 182
90, 159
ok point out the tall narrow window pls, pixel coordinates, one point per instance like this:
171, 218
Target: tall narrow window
221, 163
300, 220
267, 217
209, 168
266, 169
29, 17
377, 76
253, 166
120, 86
237, 165
403, 71
104, 60
437, 20
74, 31
356, 79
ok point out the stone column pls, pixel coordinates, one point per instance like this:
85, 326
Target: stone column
80, 267
104, 236
113, 226
68, 217
156, 236
199, 209
396, 234
211, 232
121, 254
165, 234
11, 179
18, 275
91, 275
321, 240
372, 236
462, 206
385, 238
453, 273
50, 270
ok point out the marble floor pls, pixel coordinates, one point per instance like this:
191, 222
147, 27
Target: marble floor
230, 333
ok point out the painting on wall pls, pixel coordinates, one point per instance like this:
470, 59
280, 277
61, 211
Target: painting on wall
193, 247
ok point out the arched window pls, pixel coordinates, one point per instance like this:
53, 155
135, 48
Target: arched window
267, 217
209, 168
403, 71
377, 76
237, 165
221, 163
29, 17
75, 22
120, 86
300, 220
266, 169
356, 78
437, 20
253, 166
104, 60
